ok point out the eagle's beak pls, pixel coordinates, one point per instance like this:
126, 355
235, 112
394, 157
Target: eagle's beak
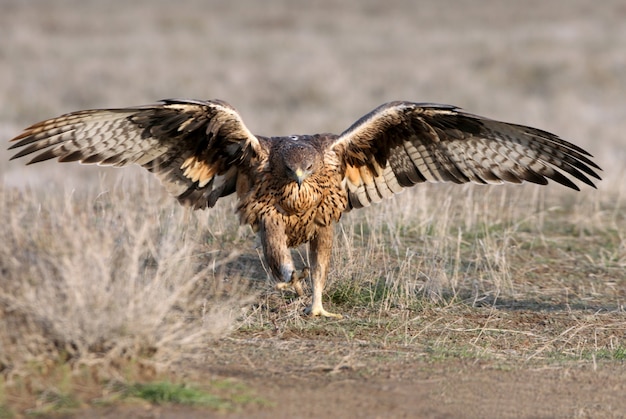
300, 176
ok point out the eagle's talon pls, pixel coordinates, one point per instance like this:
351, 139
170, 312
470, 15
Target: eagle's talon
319, 311
295, 281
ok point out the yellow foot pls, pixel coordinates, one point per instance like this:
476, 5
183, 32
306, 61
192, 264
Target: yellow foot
295, 282
319, 311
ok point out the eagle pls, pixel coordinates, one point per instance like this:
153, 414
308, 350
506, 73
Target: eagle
292, 189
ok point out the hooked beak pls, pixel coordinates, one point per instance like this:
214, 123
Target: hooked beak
300, 175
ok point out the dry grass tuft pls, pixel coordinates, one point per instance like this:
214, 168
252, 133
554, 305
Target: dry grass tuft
111, 280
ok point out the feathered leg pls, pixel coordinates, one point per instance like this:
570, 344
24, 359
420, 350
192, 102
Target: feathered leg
278, 256
321, 246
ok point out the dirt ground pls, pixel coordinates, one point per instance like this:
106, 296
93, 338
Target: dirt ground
360, 381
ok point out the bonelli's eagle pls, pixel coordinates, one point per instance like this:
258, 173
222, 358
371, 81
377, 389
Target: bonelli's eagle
292, 189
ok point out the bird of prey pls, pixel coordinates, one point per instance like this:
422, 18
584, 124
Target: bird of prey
292, 189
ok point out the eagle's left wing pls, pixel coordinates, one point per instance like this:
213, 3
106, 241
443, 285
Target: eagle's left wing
400, 144
196, 148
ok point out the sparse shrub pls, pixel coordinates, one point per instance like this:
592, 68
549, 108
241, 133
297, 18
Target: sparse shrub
120, 280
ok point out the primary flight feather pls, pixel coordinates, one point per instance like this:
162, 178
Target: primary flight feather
292, 189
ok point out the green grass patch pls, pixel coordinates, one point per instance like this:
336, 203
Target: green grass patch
166, 392
223, 395
353, 294
617, 354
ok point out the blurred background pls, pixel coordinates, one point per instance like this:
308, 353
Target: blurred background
294, 67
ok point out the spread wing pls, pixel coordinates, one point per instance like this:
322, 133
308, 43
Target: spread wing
400, 144
196, 148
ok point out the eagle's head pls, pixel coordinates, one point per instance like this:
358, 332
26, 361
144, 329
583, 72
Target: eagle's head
297, 158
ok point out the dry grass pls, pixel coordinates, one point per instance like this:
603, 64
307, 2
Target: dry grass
106, 276
111, 287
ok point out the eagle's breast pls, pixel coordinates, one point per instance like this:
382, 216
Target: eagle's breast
272, 194
297, 200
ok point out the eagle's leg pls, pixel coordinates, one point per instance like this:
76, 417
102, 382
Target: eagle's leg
321, 246
278, 257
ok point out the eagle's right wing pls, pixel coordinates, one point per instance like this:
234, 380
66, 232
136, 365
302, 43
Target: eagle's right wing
196, 148
400, 144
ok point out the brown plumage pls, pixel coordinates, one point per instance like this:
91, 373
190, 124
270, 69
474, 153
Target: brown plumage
292, 189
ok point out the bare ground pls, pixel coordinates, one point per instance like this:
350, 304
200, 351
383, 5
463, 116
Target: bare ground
307, 377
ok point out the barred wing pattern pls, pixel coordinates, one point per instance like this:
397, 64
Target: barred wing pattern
400, 144
194, 147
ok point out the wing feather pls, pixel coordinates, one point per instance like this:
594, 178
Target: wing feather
424, 142
186, 143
